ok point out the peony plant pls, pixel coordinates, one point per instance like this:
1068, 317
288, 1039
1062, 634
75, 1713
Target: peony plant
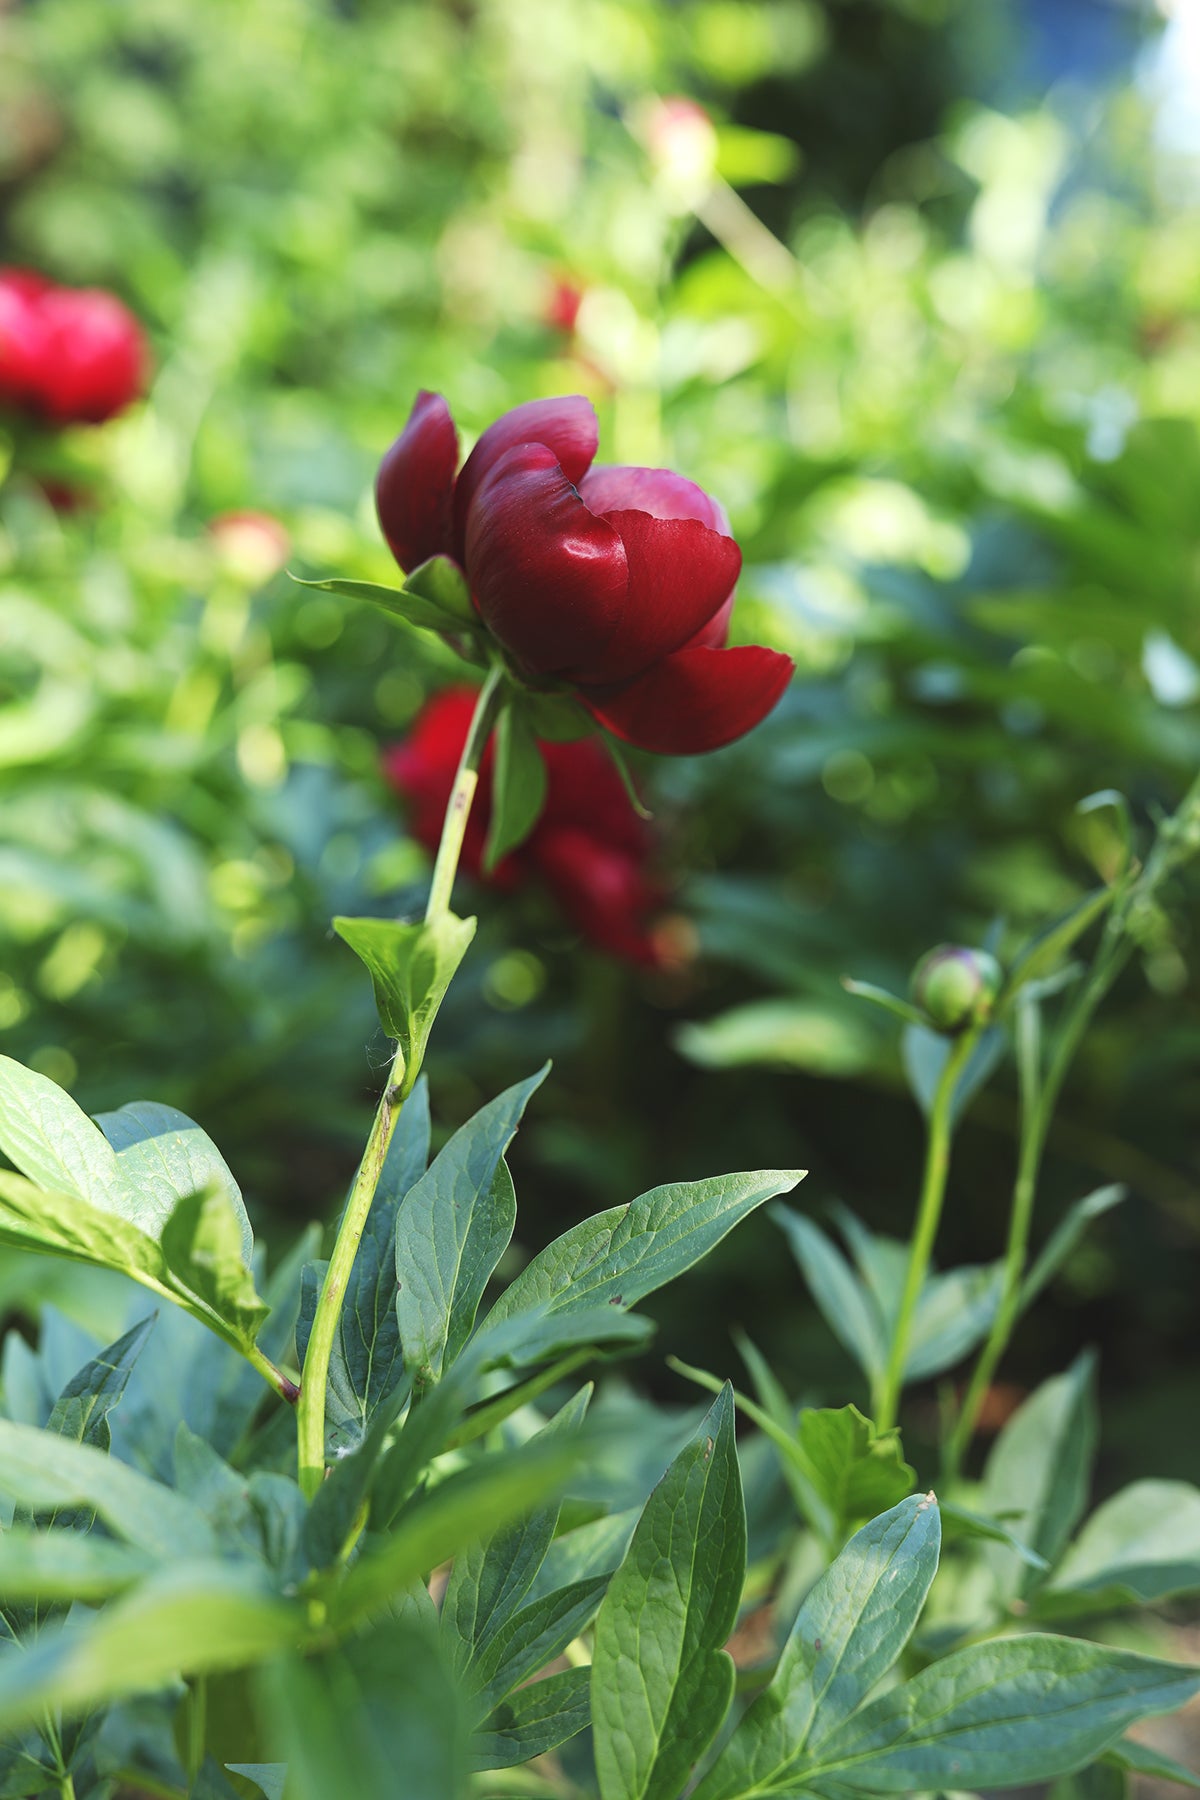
350, 1527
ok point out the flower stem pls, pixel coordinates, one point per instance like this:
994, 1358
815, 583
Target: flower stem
929, 1212
310, 1409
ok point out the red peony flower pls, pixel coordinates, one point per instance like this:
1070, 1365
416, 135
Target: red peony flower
588, 848
615, 582
67, 355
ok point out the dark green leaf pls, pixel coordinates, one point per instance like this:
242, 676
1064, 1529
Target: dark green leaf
661, 1678
518, 784
373, 1718
452, 1230
848, 1634
81, 1411
620, 1256
530, 1639
535, 1719
856, 1473
268, 1777
411, 966
202, 1248
1001, 1714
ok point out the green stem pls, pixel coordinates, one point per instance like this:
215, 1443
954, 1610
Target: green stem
929, 1212
310, 1409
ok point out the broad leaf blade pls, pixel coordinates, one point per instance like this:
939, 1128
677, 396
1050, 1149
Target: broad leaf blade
661, 1678
1140, 1547
1001, 1714
166, 1156
535, 1719
848, 1634
55, 1565
1037, 1475
52, 1142
202, 1245
410, 966
452, 1230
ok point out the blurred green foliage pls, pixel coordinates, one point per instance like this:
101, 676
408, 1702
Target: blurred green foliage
942, 363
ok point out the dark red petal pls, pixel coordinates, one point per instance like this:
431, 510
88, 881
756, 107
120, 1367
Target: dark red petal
567, 426
715, 634
695, 700
660, 492
414, 489
96, 355
605, 892
549, 577
680, 574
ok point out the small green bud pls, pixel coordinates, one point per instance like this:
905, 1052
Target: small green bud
956, 987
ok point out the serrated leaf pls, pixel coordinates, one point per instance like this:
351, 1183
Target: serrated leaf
1140, 1547
410, 966
167, 1155
620, 1256
519, 784
451, 1231
185, 1620
1003, 1713
662, 1680
847, 1635
535, 1719
1064, 1238
1038, 1473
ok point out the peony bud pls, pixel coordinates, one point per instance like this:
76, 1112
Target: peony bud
957, 987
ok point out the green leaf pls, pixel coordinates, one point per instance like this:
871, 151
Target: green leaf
269, 1778
535, 1719
899, 1009
81, 1411
165, 1154
530, 1639
410, 966
1037, 1475
52, 1142
848, 1634
187, 1620
925, 1053
846, 1305
434, 597
1064, 1238
372, 1718
856, 1473
1001, 1714
1140, 1547
489, 1580
1143, 1759
662, 1680
960, 1521
1045, 952
49, 1565
529, 1338
452, 1230
619, 1256
592, 1549
443, 1522
202, 1248
40, 1471
519, 784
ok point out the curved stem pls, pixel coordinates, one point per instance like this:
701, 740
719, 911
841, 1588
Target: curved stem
310, 1409
929, 1212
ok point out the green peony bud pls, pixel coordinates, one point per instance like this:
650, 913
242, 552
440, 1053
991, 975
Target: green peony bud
956, 987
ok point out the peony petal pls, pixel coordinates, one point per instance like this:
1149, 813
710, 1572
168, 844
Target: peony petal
414, 489
680, 575
606, 893
96, 356
715, 634
567, 426
695, 700
549, 577
659, 492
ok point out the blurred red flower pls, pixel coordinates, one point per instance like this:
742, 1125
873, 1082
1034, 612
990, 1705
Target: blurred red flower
564, 298
68, 356
588, 848
617, 582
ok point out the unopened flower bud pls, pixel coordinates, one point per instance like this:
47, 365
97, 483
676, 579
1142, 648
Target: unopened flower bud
957, 987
